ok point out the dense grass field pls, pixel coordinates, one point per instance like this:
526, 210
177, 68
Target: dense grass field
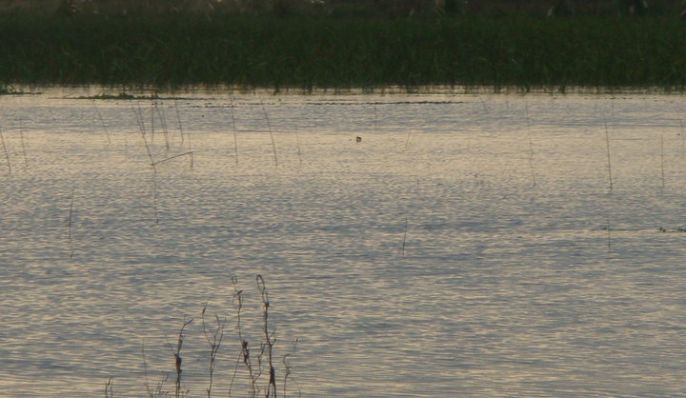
313, 52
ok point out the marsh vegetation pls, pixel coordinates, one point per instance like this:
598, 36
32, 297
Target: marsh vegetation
343, 52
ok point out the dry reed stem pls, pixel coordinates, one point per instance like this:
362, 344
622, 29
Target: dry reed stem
609, 233
109, 391
271, 133
269, 340
177, 357
404, 237
145, 372
235, 133
178, 121
300, 156
531, 146
662, 160
7, 154
23, 145
104, 126
153, 165
609, 158
152, 123
159, 391
245, 349
287, 371
70, 223
141, 128
215, 341
190, 154
163, 124
683, 138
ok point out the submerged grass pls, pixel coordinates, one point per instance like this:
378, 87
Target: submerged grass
315, 52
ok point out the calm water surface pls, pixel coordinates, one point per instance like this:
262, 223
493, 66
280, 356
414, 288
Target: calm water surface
469, 246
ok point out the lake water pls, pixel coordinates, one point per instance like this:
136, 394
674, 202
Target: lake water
468, 246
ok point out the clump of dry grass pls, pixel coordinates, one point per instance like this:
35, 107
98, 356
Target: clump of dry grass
260, 368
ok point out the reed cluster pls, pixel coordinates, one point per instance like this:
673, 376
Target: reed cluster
257, 362
345, 52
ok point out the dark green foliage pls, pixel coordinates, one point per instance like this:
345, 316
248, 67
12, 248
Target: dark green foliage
314, 52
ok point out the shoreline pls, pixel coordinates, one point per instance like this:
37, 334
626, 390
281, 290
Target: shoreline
124, 92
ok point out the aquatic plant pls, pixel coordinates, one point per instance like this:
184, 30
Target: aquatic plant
263, 368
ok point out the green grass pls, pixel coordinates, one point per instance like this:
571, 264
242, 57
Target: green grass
302, 52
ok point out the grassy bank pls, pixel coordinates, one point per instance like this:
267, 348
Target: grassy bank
344, 52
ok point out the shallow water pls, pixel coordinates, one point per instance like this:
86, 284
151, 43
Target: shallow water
461, 249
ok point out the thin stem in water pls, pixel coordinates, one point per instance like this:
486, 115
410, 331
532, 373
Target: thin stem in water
7, 154
271, 134
609, 158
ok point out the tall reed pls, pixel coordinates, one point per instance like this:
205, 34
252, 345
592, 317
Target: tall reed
531, 146
662, 161
235, 133
271, 133
683, 138
7, 154
214, 340
104, 126
179, 359
23, 144
153, 165
404, 238
70, 223
179, 124
214, 334
609, 158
